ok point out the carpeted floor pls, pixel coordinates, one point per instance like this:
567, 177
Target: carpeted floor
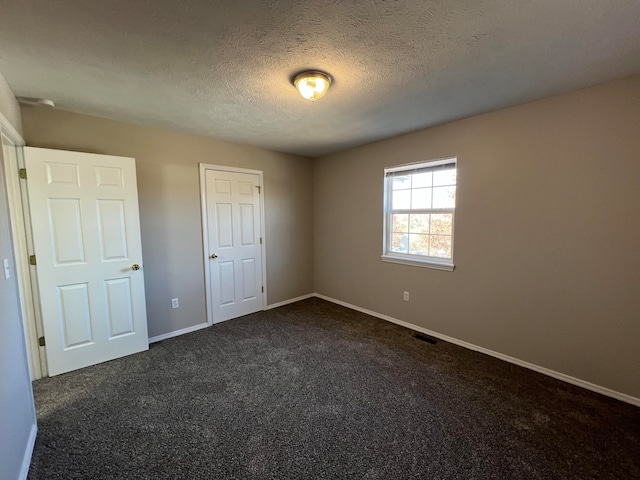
316, 391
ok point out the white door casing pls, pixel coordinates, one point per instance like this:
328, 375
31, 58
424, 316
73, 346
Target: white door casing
12, 146
86, 235
233, 241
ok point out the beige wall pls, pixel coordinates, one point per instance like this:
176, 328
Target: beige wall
9, 106
547, 233
169, 196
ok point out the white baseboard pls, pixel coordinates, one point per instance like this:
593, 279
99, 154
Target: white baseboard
545, 371
28, 452
175, 333
291, 300
551, 373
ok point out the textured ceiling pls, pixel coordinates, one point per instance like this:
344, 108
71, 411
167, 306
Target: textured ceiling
223, 68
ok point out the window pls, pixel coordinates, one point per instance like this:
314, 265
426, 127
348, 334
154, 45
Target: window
420, 201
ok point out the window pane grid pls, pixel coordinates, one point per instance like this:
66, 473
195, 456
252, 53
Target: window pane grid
424, 198
422, 210
421, 207
423, 234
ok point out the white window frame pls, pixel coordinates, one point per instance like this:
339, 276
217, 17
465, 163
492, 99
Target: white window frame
407, 258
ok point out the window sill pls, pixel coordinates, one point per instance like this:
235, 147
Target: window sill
419, 263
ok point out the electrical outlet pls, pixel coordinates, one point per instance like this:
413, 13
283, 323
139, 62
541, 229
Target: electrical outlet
406, 296
175, 303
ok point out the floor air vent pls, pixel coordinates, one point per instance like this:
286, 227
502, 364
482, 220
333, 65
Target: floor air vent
425, 338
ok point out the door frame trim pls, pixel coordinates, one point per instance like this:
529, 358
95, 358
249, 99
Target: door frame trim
203, 167
22, 246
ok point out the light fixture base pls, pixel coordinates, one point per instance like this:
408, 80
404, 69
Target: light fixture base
36, 102
312, 84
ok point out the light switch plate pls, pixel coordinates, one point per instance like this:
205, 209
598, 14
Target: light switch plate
7, 272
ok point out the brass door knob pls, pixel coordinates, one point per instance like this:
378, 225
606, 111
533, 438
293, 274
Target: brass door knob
213, 256
135, 266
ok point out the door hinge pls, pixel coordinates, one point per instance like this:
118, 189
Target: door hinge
22, 173
259, 189
260, 240
32, 259
262, 289
41, 341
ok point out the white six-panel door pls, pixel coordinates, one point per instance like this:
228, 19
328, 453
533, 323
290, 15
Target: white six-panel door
232, 217
86, 229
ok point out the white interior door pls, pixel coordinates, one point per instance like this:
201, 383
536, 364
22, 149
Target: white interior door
233, 243
86, 229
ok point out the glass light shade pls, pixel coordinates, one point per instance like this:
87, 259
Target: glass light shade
312, 85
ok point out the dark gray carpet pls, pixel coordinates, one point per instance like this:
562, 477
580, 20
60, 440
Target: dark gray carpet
316, 391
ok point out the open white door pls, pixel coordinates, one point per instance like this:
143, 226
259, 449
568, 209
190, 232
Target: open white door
233, 242
86, 235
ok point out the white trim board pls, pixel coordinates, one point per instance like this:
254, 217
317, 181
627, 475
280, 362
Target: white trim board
545, 371
4, 121
175, 333
28, 452
291, 300
22, 244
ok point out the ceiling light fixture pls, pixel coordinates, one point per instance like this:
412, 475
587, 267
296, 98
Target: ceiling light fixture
36, 102
312, 85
